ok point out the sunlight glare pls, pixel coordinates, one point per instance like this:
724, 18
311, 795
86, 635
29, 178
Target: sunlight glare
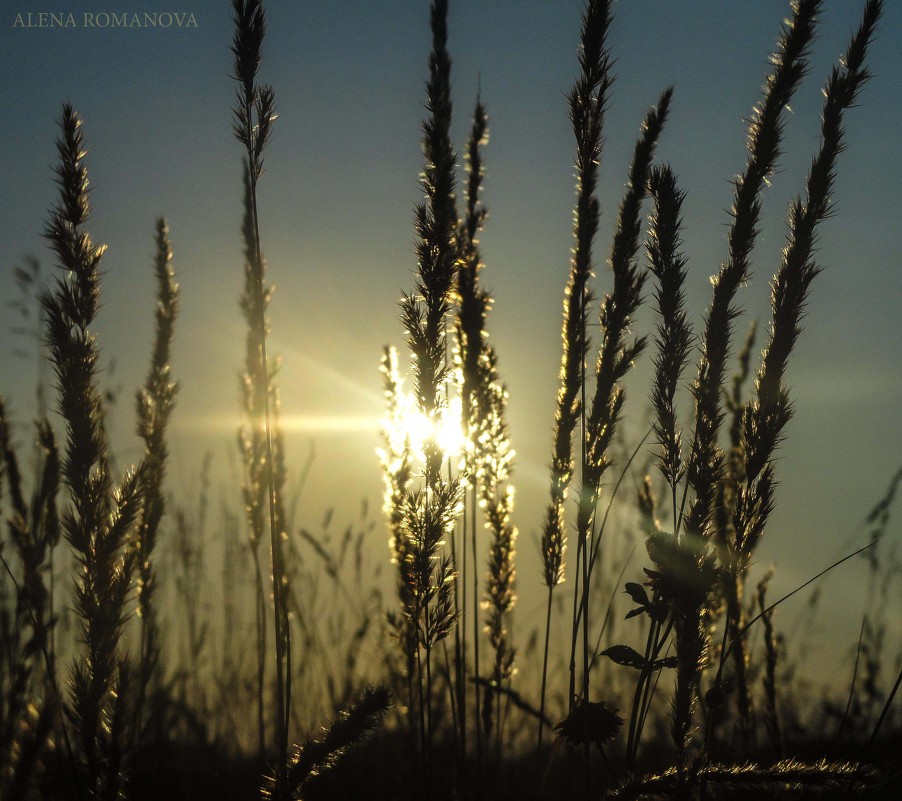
420, 429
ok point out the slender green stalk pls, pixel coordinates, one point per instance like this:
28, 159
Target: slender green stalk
254, 113
154, 406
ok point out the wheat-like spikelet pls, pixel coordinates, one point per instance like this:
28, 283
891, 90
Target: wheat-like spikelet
99, 521
430, 512
424, 315
588, 102
764, 138
473, 301
489, 456
687, 562
615, 358
616, 355
495, 460
674, 334
766, 416
314, 757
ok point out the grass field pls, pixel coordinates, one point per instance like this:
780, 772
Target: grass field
204, 631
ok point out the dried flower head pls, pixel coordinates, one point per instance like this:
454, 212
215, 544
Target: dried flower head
592, 722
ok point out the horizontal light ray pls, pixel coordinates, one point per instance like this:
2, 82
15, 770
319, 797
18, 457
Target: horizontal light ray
291, 424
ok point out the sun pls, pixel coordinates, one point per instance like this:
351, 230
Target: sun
444, 429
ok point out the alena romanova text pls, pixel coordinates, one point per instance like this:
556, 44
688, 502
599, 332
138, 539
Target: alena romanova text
106, 19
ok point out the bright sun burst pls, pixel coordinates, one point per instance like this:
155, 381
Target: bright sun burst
419, 429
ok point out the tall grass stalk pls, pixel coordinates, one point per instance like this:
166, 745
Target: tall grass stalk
99, 521
469, 328
764, 142
430, 512
254, 113
766, 415
683, 564
252, 444
154, 406
396, 460
588, 101
484, 402
614, 360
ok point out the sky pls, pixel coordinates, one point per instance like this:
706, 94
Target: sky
336, 212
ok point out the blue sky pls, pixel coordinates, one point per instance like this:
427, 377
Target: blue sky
336, 216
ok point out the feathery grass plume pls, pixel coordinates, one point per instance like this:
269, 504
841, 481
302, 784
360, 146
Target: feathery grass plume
765, 416
616, 355
100, 519
674, 334
764, 138
154, 406
429, 513
693, 568
473, 301
254, 114
614, 360
768, 413
495, 459
314, 757
396, 457
425, 314
587, 103
673, 340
